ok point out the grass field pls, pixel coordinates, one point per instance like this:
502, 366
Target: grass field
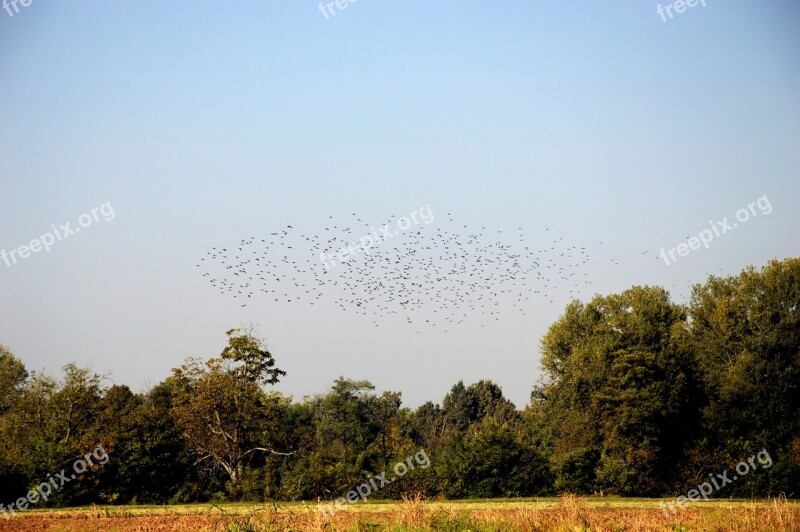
568, 513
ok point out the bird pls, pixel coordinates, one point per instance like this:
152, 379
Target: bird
434, 273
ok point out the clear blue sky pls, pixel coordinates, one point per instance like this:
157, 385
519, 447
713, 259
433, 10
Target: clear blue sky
206, 122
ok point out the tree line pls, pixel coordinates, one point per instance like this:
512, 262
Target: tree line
640, 396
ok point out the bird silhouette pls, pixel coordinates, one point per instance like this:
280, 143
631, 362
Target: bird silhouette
425, 274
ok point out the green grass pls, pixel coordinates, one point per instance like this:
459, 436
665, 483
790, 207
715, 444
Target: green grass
392, 505
543, 514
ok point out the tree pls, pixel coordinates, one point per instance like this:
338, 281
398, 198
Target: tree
428, 425
12, 377
148, 463
745, 331
382, 419
342, 419
621, 393
75, 402
466, 405
220, 405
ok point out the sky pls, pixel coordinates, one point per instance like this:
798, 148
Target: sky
194, 125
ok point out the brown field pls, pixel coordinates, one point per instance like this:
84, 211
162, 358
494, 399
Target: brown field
568, 513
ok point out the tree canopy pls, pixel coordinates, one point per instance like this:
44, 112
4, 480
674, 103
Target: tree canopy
640, 395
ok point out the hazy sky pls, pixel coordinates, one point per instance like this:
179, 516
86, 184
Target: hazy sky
203, 123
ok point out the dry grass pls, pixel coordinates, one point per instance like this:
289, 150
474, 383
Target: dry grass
568, 513
412, 513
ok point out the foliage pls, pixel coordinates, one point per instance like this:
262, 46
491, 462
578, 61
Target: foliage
640, 396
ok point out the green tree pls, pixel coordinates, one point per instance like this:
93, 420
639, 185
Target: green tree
12, 377
621, 392
357, 433
220, 406
745, 331
493, 460
147, 447
12, 382
466, 405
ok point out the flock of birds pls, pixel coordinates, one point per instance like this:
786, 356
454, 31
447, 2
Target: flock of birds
424, 275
